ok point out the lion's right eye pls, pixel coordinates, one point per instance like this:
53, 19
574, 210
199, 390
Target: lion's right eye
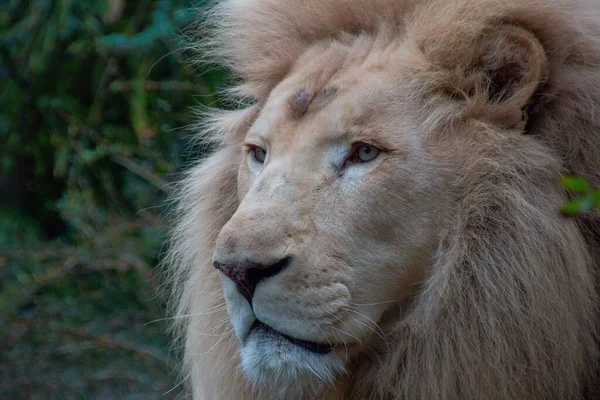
259, 154
364, 152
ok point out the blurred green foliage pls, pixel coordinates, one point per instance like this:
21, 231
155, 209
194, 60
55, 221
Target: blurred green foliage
587, 198
94, 99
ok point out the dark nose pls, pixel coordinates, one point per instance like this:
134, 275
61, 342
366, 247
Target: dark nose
246, 275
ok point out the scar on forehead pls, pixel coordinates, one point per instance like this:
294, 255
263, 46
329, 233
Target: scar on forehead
300, 101
303, 99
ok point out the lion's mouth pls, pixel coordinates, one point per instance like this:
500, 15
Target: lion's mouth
319, 348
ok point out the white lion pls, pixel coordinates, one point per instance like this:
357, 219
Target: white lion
381, 221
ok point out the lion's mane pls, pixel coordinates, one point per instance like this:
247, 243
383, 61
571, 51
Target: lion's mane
510, 306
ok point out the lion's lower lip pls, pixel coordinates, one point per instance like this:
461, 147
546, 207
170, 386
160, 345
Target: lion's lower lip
319, 348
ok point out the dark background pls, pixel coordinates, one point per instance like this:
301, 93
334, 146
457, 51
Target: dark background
96, 103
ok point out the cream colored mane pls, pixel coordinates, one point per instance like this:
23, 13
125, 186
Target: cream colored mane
510, 308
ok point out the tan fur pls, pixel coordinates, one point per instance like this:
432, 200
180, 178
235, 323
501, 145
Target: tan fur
508, 308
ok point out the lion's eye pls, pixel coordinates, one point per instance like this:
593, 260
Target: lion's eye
259, 154
366, 152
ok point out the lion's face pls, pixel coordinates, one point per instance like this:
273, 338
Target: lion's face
338, 217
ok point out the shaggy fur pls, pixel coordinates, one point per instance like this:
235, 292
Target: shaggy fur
509, 308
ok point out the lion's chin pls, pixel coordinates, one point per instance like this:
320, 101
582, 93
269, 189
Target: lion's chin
273, 360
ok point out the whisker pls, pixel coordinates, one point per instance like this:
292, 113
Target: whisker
344, 332
345, 345
214, 345
321, 329
375, 304
379, 332
342, 339
216, 327
347, 334
214, 311
195, 366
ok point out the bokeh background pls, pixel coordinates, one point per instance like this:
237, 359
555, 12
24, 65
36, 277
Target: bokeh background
96, 108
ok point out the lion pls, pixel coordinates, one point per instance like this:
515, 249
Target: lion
380, 216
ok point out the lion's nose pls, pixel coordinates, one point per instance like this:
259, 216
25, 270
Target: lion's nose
246, 275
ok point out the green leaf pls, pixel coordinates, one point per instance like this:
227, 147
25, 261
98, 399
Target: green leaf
570, 208
596, 196
575, 184
577, 206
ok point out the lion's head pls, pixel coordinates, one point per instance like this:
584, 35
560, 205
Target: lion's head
382, 221
338, 217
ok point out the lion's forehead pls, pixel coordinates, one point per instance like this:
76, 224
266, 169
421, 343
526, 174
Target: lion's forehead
330, 102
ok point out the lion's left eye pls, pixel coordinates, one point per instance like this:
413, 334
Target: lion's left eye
365, 152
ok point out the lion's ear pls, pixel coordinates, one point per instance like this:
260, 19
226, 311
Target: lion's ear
509, 68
